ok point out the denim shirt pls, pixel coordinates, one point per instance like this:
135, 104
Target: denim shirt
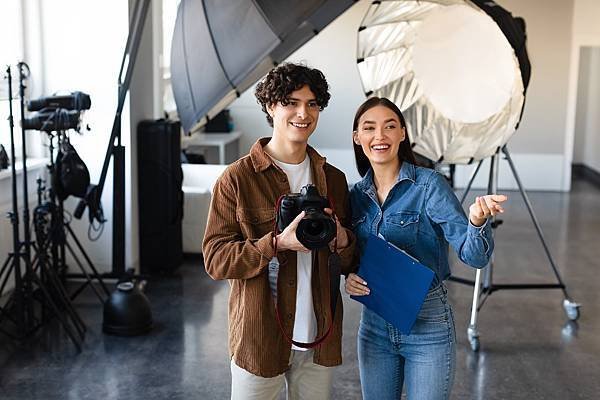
420, 215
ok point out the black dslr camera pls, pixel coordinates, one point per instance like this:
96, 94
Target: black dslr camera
317, 228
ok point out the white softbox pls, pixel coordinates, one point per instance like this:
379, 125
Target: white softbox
457, 69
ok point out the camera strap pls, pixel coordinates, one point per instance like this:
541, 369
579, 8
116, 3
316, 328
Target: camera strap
334, 268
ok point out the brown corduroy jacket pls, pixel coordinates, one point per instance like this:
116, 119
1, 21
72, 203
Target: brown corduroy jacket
238, 246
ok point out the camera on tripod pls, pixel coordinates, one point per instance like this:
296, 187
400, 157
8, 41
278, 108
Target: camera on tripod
57, 113
317, 228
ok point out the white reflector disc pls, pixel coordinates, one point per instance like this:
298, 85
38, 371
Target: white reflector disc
467, 77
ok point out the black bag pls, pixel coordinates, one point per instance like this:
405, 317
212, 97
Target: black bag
70, 176
3, 158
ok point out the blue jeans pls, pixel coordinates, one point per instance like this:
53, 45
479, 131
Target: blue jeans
425, 359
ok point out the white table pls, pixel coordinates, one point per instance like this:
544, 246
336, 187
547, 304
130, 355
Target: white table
219, 140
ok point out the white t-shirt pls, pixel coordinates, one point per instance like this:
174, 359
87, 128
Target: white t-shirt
305, 322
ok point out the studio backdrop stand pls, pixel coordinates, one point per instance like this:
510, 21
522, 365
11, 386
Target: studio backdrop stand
484, 286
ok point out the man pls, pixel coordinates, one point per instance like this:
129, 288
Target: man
240, 241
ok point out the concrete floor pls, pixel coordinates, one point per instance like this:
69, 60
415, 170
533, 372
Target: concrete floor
528, 349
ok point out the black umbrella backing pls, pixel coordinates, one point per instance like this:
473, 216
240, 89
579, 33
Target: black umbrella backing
222, 47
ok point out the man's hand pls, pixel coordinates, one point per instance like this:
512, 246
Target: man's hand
341, 236
485, 207
287, 239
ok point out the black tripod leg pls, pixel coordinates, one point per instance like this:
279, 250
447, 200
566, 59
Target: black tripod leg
54, 307
88, 260
87, 277
471, 179
42, 258
6, 268
6, 314
49, 273
535, 221
63, 298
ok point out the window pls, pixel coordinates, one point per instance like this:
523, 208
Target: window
11, 52
169, 15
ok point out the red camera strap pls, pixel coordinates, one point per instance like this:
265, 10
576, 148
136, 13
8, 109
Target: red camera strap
334, 283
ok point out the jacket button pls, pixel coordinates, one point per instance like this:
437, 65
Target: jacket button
289, 315
401, 222
255, 220
292, 282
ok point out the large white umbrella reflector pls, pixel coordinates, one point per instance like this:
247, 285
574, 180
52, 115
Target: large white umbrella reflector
451, 68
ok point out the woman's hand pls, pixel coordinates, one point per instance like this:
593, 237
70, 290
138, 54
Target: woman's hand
485, 207
356, 286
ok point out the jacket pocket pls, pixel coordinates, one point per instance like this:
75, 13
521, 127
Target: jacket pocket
402, 228
255, 222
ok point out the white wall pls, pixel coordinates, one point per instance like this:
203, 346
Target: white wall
586, 33
587, 123
540, 139
591, 151
583, 93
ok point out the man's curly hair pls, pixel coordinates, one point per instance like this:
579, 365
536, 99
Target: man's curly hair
282, 80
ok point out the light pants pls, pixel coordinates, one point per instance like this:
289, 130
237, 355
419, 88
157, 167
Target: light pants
304, 380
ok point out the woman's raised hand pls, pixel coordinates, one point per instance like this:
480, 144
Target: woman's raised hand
485, 207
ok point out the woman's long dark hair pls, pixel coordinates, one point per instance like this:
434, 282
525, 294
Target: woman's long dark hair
405, 152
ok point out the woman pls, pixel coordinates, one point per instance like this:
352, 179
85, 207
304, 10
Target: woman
415, 209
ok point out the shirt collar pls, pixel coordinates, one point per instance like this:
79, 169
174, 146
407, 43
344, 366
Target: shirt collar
407, 172
261, 161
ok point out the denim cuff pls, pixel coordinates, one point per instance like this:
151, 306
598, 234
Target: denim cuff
478, 230
483, 232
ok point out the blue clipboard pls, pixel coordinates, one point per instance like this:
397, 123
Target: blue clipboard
397, 281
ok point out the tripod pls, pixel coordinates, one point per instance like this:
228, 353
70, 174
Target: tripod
60, 231
485, 286
21, 308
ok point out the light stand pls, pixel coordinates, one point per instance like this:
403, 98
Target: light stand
117, 320
484, 286
46, 288
116, 151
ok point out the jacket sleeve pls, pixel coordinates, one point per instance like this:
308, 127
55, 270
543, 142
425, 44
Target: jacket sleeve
473, 245
347, 256
227, 253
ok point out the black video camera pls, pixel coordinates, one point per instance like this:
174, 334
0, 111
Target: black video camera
50, 120
74, 101
317, 228
57, 113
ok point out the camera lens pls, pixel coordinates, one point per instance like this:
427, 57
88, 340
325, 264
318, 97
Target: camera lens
315, 230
